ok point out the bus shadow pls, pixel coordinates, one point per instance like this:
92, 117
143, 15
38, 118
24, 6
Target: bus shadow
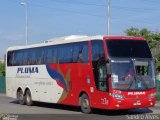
52, 105
122, 112
94, 111
57, 106
15, 102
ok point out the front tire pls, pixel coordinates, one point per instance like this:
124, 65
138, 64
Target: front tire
20, 97
85, 104
28, 98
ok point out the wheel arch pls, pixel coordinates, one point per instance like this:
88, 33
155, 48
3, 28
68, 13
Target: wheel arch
80, 94
26, 89
18, 89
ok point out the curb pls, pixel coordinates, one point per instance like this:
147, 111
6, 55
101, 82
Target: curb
2, 94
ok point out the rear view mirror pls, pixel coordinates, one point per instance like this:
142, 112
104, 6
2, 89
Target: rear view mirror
155, 60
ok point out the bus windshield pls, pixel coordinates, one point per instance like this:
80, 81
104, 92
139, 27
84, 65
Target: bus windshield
132, 74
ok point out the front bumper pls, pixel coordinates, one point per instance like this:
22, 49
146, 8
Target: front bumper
131, 103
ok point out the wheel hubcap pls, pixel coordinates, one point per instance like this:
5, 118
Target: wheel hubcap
28, 98
85, 103
21, 97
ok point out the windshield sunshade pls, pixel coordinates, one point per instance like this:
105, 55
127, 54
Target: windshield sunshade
128, 48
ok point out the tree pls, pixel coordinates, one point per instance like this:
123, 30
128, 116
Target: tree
132, 32
153, 39
158, 61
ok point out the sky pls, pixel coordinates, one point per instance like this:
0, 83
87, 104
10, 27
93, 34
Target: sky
56, 18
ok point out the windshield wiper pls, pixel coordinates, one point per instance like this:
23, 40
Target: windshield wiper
143, 81
134, 79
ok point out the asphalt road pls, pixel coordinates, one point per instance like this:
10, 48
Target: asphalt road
10, 108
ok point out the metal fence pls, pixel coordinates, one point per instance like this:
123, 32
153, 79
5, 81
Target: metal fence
2, 85
158, 90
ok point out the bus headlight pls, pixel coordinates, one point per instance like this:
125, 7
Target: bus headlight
118, 96
152, 95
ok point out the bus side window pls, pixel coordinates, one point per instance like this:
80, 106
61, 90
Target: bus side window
9, 58
18, 58
80, 52
80, 57
65, 53
25, 57
75, 52
55, 51
48, 55
32, 58
39, 56
13, 61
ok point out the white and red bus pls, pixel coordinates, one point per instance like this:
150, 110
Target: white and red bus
106, 72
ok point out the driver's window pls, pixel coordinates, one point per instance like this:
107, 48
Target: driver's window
102, 78
99, 65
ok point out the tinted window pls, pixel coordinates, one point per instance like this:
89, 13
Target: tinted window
65, 53
80, 52
32, 56
39, 56
26, 55
128, 48
97, 50
10, 58
50, 54
13, 62
18, 57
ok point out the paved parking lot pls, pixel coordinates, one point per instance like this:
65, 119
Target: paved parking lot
48, 111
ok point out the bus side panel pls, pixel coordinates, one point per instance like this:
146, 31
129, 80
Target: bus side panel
11, 83
73, 81
79, 78
36, 78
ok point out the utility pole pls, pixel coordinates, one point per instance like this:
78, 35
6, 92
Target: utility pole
108, 27
26, 21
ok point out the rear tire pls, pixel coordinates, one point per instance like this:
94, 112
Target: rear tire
20, 97
85, 104
28, 98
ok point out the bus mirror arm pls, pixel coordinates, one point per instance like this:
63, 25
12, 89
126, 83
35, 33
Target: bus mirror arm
108, 68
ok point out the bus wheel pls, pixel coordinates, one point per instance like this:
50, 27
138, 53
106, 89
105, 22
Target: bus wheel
28, 98
84, 103
20, 97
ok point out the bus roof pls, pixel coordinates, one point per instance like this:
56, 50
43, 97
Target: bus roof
70, 39
122, 37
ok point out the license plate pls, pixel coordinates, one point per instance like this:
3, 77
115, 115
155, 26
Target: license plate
137, 103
